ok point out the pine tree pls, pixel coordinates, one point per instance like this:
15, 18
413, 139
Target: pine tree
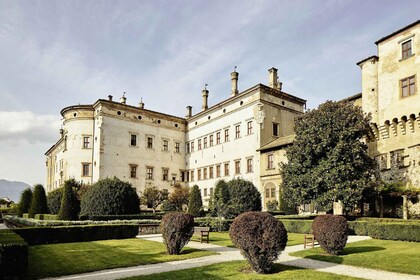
25, 201
195, 205
39, 202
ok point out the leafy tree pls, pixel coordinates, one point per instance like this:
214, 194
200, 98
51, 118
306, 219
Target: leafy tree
220, 199
25, 201
54, 200
179, 196
328, 161
39, 202
195, 205
70, 205
152, 197
110, 197
167, 206
244, 197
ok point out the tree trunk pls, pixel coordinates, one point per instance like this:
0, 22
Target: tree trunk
405, 208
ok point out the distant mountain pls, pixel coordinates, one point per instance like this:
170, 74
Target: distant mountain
12, 189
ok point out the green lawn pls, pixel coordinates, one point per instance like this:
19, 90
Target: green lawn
241, 270
71, 258
397, 256
223, 239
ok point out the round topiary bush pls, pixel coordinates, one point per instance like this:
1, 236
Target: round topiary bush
110, 197
177, 229
260, 237
331, 232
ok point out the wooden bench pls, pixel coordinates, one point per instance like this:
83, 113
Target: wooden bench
203, 232
309, 240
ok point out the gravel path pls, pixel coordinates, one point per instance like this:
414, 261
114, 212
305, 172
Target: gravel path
231, 254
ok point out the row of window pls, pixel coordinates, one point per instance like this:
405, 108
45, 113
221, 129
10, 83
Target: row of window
210, 172
150, 143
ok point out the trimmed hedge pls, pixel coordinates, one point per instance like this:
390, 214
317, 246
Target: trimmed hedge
13, 255
331, 231
156, 216
47, 217
298, 226
215, 224
48, 235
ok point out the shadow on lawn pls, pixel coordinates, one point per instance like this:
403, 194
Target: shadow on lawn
322, 256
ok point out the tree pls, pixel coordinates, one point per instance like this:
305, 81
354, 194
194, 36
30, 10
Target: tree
25, 201
54, 200
328, 161
39, 202
70, 205
220, 199
195, 205
179, 196
110, 197
152, 197
244, 197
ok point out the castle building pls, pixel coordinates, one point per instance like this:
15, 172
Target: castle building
148, 148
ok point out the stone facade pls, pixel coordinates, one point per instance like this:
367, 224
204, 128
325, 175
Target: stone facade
148, 148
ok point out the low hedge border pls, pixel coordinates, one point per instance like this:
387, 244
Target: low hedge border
146, 216
13, 255
46, 217
66, 234
213, 223
297, 226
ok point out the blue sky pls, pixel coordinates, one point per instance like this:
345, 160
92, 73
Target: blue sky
55, 54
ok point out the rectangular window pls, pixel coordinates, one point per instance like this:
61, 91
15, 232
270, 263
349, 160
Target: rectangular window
249, 127
205, 173
133, 171
149, 142
86, 142
211, 172
270, 164
218, 170
267, 193
177, 146
211, 191
217, 138
226, 135
187, 148
227, 169
205, 142
165, 145
406, 49
192, 176
273, 192
249, 165
211, 140
85, 169
199, 144
237, 131
198, 174
408, 86
133, 141
275, 129
192, 146
149, 173
205, 191
237, 167
165, 174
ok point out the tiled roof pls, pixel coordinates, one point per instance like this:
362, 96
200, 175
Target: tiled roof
279, 142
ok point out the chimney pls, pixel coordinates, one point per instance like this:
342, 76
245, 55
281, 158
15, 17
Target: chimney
272, 78
61, 132
123, 99
234, 78
141, 104
189, 112
109, 97
205, 94
280, 85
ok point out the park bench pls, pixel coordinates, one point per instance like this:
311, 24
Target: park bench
203, 232
309, 240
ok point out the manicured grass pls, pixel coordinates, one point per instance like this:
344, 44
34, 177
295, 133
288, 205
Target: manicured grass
241, 270
223, 239
72, 258
397, 256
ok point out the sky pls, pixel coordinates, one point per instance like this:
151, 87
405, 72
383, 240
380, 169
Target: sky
55, 54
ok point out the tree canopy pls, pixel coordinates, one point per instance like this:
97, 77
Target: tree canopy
328, 161
152, 197
195, 204
39, 202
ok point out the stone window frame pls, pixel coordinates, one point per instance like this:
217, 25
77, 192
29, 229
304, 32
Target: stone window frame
149, 172
86, 166
275, 129
133, 170
408, 86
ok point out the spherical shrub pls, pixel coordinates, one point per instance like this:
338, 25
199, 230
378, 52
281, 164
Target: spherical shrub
110, 197
177, 229
260, 237
331, 232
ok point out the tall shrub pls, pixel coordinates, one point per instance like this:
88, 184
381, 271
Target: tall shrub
260, 237
195, 205
25, 201
244, 196
70, 206
54, 200
110, 197
179, 196
331, 232
220, 199
177, 229
39, 202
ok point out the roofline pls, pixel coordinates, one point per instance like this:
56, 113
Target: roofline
353, 97
73, 107
53, 146
366, 59
396, 32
